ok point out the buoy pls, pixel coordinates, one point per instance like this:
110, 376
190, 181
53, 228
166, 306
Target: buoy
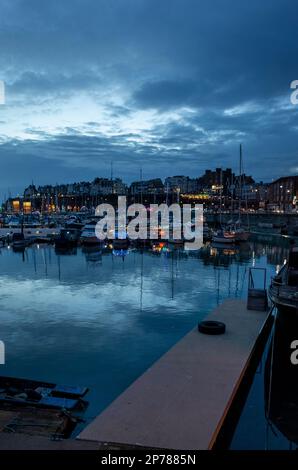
209, 327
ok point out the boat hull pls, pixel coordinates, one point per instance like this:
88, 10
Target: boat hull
223, 240
287, 306
283, 289
119, 244
94, 241
242, 236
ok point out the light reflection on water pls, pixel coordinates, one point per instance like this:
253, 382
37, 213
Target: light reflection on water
100, 320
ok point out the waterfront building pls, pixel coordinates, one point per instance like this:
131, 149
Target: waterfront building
105, 187
255, 195
181, 184
30, 191
283, 194
150, 187
213, 180
213, 186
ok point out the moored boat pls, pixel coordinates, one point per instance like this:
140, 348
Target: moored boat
39, 394
121, 244
67, 238
224, 236
241, 234
283, 289
88, 236
207, 233
280, 380
19, 242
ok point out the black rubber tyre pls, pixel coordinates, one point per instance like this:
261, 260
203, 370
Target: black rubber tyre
212, 327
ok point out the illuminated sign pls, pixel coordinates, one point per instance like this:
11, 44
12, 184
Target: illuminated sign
196, 196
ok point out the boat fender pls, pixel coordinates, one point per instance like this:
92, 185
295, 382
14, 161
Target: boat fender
212, 327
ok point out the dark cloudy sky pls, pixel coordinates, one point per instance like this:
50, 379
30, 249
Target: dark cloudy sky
172, 86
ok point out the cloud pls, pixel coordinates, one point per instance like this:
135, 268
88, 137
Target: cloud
41, 83
165, 93
171, 86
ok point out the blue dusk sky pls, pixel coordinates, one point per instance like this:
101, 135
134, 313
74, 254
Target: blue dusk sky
172, 86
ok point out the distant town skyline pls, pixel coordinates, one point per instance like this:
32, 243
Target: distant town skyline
172, 87
228, 177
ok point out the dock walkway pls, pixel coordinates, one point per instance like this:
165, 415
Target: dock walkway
181, 401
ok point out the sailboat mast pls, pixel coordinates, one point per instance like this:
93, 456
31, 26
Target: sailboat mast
240, 181
167, 194
231, 191
141, 178
112, 176
220, 196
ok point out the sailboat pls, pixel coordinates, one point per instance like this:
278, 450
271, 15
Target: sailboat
241, 234
222, 235
88, 236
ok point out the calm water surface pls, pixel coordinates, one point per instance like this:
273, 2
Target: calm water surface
100, 320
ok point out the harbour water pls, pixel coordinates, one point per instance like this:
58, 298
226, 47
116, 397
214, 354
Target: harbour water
100, 320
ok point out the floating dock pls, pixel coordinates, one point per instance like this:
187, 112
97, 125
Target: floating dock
181, 402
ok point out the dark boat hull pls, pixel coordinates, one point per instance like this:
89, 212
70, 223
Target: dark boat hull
280, 376
287, 309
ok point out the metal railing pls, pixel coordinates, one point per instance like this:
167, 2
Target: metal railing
282, 291
251, 281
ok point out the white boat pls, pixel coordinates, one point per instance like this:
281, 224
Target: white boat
29, 234
88, 236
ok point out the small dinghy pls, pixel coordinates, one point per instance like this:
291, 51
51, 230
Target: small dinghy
41, 394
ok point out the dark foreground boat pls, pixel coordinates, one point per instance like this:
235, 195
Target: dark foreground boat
283, 290
280, 379
25, 392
